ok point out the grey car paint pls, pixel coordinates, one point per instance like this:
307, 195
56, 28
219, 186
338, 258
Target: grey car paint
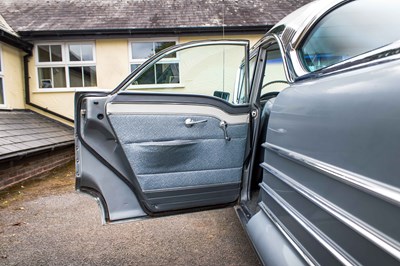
330, 193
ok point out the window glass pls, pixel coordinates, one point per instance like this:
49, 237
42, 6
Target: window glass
81, 52
51, 77
75, 77
241, 81
352, 29
87, 52
45, 77
75, 71
49, 53
166, 71
274, 73
208, 70
159, 46
89, 76
59, 77
74, 53
56, 55
82, 76
142, 50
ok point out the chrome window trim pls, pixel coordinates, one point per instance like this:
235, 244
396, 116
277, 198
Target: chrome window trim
388, 245
376, 188
323, 239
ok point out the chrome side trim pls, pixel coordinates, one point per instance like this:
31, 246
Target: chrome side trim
376, 188
175, 109
389, 245
324, 240
289, 237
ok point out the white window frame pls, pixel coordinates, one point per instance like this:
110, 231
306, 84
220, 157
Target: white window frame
165, 60
3, 105
66, 63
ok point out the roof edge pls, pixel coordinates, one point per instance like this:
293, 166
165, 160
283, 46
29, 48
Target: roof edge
15, 41
28, 152
140, 32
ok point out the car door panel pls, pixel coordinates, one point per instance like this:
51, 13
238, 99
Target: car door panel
329, 182
167, 164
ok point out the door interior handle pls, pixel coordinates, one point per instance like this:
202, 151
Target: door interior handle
190, 122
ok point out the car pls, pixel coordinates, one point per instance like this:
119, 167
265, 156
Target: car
300, 134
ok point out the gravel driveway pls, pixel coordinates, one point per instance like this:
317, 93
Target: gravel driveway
45, 222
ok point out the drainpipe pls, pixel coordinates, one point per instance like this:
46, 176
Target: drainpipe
27, 91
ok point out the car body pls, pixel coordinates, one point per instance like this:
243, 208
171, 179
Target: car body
300, 134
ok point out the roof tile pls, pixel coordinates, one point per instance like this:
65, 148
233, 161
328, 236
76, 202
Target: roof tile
25, 131
53, 15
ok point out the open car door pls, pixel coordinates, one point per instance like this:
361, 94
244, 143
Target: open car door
172, 137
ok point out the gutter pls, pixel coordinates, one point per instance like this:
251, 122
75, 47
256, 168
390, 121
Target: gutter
35, 151
143, 32
27, 92
15, 41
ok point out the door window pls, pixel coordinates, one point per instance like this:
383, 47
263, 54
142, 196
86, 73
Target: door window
210, 69
274, 79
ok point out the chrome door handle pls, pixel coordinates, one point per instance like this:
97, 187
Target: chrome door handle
190, 122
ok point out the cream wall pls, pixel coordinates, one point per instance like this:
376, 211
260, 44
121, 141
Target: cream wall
112, 66
13, 77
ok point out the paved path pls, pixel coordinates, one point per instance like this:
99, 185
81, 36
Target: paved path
64, 228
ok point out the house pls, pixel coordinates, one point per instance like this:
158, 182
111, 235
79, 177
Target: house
49, 49
88, 44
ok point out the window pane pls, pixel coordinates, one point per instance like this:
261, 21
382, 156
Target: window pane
146, 78
1, 92
207, 70
0, 63
89, 74
56, 55
142, 50
75, 77
74, 52
44, 53
167, 73
59, 77
159, 46
45, 77
346, 32
134, 66
274, 73
87, 52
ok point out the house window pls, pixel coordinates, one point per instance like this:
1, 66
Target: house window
166, 71
66, 65
2, 101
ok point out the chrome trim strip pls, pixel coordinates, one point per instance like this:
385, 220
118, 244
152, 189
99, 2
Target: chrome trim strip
389, 245
324, 240
176, 109
289, 237
384, 191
